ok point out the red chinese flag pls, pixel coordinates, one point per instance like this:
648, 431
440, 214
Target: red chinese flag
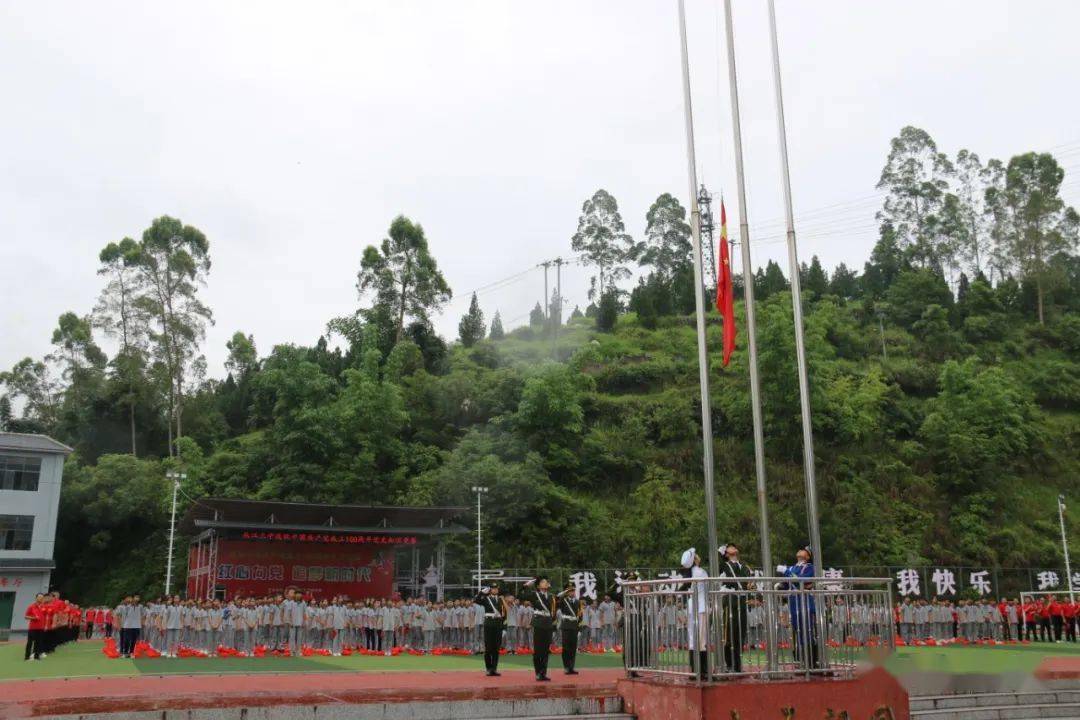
725, 294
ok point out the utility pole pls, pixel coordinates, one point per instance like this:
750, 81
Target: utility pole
699, 304
479, 490
558, 308
546, 264
1065, 544
176, 477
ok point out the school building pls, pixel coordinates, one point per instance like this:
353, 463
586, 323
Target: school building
31, 469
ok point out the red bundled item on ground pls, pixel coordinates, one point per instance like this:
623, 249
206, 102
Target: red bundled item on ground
186, 652
523, 651
306, 651
900, 641
414, 651
394, 652
555, 650
502, 651
109, 649
323, 652
346, 651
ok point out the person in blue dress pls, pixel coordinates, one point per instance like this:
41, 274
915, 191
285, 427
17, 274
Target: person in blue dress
801, 605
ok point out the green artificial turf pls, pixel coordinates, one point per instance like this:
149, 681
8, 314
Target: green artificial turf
85, 659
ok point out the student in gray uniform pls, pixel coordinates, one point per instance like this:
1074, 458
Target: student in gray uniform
296, 608
173, 626
907, 621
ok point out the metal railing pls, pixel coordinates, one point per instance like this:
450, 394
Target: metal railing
762, 627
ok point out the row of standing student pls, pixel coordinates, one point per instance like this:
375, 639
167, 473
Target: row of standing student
51, 621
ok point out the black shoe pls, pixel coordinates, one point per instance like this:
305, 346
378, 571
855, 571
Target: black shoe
494, 674
571, 672
543, 678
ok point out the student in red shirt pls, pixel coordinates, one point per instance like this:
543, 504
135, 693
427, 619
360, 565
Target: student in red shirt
35, 627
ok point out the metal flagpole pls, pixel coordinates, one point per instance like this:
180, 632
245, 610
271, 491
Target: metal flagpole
751, 321
1065, 544
800, 340
796, 302
699, 304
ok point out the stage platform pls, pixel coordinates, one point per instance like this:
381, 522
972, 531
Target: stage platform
322, 696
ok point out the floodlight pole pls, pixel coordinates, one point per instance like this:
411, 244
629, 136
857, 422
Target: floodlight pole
176, 477
1065, 544
479, 490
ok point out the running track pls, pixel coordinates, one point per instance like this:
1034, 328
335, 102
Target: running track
35, 698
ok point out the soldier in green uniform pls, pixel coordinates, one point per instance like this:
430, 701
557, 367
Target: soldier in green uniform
734, 607
543, 608
569, 609
494, 622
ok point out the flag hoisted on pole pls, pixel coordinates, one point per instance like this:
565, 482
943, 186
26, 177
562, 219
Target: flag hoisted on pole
725, 293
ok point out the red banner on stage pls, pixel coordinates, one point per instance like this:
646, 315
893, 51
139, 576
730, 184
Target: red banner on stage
316, 567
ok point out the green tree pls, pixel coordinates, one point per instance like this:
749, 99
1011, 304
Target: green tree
973, 179
536, 317
122, 318
667, 247
981, 424
173, 261
885, 263
497, 332
471, 329
814, 279
404, 277
916, 181
844, 283
243, 357
607, 312
1034, 222
912, 291
602, 240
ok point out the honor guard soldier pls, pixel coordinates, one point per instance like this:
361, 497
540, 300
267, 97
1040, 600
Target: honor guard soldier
734, 607
494, 621
543, 608
697, 624
568, 611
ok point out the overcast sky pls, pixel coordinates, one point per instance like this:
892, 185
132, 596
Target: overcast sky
292, 133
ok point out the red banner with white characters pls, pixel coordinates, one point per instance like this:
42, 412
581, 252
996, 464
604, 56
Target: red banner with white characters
323, 569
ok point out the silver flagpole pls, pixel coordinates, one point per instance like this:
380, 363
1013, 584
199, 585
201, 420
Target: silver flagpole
751, 322
703, 355
796, 302
800, 341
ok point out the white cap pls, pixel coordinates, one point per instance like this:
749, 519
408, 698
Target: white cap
688, 558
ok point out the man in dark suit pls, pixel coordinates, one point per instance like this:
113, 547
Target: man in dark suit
733, 609
568, 611
494, 622
537, 594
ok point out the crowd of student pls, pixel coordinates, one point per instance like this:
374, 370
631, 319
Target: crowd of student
293, 621
50, 622
1049, 619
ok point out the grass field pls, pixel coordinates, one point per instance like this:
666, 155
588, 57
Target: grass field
85, 659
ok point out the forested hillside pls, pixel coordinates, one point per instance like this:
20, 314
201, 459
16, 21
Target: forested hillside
945, 386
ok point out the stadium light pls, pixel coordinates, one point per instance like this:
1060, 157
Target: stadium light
479, 490
1065, 545
176, 477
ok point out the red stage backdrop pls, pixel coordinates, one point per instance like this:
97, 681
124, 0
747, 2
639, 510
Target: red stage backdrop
358, 566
